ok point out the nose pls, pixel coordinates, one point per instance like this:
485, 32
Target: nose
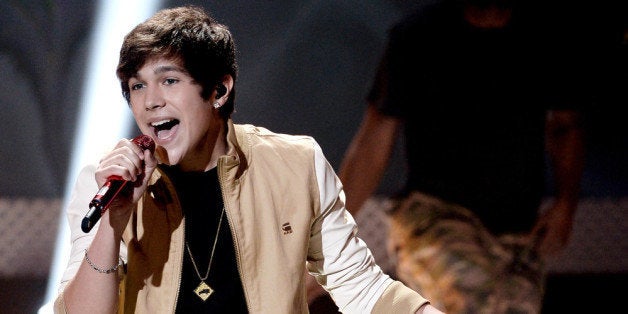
153, 100
153, 106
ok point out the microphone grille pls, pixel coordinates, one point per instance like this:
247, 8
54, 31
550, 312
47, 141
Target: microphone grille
144, 142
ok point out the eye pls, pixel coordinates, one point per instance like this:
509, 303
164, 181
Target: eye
170, 81
137, 86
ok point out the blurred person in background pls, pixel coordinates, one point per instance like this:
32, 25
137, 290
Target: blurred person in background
481, 92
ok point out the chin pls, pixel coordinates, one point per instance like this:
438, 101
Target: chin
162, 156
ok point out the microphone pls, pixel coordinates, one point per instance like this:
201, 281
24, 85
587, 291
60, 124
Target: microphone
111, 189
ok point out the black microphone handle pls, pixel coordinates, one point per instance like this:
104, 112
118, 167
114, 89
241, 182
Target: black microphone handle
101, 202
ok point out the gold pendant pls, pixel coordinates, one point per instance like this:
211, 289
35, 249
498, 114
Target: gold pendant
203, 291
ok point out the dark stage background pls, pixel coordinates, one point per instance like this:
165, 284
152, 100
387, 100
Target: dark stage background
305, 67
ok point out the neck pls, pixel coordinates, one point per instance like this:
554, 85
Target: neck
208, 152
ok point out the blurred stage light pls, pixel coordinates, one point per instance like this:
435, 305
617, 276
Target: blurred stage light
104, 116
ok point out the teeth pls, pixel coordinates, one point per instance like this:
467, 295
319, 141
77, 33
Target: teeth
158, 123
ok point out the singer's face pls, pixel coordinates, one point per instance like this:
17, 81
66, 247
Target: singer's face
167, 105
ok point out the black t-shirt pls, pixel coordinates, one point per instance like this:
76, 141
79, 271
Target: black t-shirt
474, 103
201, 200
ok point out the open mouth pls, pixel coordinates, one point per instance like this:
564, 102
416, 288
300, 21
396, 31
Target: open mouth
163, 128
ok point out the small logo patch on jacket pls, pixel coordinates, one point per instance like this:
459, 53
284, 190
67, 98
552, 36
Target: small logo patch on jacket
286, 228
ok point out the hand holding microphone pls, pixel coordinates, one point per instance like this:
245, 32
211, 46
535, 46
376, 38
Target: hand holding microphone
111, 189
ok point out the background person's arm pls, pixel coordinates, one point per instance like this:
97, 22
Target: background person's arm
565, 147
367, 157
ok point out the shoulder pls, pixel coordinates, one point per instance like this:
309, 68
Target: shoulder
258, 133
256, 138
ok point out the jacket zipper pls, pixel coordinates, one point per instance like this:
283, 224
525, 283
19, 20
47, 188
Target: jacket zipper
176, 297
233, 233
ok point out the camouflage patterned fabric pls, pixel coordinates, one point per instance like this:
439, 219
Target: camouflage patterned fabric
443, 252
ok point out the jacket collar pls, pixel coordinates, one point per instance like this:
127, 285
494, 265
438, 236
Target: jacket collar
237, 149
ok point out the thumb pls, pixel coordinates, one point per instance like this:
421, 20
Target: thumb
150, 164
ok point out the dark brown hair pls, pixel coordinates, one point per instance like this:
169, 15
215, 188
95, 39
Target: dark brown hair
204, 47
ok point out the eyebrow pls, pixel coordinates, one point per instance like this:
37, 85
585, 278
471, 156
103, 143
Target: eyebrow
168, 68
163, 69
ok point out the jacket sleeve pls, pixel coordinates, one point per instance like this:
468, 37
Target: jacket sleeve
83, 191
346, 268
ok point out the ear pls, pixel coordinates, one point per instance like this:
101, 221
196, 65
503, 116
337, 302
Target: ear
221, 90
224, 88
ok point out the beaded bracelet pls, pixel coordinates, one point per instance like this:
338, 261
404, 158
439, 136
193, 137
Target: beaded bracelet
102, 271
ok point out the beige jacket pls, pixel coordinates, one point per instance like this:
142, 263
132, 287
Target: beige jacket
284, 205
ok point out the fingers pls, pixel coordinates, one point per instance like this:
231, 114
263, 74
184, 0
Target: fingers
126, 161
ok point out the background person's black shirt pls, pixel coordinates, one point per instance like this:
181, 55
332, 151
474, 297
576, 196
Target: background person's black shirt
474, 103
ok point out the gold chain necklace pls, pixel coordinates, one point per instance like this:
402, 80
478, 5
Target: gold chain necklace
203, 291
